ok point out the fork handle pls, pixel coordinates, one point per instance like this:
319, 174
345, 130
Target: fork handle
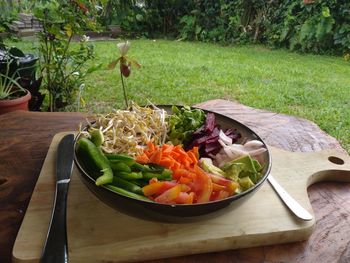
289, 201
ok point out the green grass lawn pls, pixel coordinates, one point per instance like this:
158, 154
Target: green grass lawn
309, 86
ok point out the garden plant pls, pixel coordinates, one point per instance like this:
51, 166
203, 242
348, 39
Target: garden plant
63, 65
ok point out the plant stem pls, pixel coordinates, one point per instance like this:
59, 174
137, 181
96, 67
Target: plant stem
124, 91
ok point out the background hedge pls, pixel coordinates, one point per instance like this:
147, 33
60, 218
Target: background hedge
317, 26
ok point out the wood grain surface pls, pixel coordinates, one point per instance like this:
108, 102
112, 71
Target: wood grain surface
26, 136
95, 235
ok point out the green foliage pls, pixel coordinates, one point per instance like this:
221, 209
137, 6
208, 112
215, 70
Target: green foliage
147, 18
128, 14
322, 26
318, 27
311, 28
9, 86
64, 66
8, 13
9, 10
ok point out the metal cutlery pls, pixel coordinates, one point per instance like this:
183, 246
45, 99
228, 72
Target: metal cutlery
289, 201
56, 247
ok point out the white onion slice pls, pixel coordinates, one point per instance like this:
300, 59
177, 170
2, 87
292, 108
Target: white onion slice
227, 140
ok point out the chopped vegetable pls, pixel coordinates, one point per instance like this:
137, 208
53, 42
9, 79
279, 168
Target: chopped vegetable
208, 166
118, 166
197, 186
238, 171
232, 151
182, 164
246, 183
207, 137
97, 137
203, 186
129, 176
242, 169
169, 196
157, 188
128, 160
128, 131
182, 123
127, 193
127, 185
96, 157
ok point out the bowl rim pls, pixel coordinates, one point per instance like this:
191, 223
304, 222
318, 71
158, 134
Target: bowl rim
230, 198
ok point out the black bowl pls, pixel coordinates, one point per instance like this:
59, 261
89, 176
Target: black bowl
179, 212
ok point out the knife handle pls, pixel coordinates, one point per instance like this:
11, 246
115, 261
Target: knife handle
56, 247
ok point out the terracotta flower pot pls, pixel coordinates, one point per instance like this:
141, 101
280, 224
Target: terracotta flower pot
20, 103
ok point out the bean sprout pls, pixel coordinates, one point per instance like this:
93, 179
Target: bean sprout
129, 131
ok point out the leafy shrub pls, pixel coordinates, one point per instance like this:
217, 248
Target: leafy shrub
63, 65
317, 26
7, 14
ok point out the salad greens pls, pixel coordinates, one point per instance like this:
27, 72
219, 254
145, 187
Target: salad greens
183, 123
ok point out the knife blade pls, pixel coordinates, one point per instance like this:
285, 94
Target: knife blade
56, 246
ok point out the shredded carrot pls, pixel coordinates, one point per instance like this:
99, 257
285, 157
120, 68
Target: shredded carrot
169, 156
167, 162
151, 146
192, 156
167, 148
156, 156
143, 158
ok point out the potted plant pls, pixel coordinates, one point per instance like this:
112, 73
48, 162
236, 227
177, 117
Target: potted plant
12, 95
23, 67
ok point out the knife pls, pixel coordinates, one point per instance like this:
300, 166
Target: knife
56, 247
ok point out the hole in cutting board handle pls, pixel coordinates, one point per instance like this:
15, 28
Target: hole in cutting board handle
336, 160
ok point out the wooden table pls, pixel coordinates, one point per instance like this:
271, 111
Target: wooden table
26, 136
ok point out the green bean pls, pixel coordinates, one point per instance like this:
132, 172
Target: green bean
97, 137
126, 185
120, 158
129, 176
96, 157
165, 175
127, 193
141, 167
118, 166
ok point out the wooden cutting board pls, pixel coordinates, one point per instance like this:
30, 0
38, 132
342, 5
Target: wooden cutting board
97, 233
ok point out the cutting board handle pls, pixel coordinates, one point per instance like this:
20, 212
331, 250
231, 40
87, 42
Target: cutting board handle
326, 165
338, 169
